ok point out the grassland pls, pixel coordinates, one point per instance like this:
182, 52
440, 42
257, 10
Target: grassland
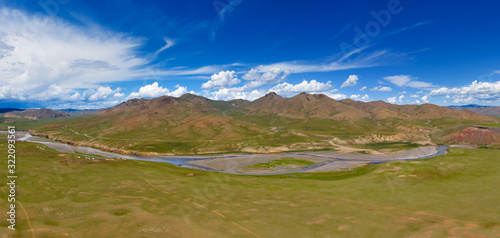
61, 195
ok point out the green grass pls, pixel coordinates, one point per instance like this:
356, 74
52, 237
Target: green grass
454, 194
388, 145
281, 162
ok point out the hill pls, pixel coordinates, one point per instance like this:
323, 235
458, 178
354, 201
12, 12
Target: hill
306, 105
192, 124
36, 114
493, 111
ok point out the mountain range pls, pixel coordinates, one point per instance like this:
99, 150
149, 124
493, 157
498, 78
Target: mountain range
195, 124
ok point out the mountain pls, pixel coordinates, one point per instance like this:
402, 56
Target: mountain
468, 106
4, 110
192, 124
36, 114
78, 112
483, 110
306, 105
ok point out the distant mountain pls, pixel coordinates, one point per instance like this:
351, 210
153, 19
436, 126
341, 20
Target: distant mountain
468, 106
78, 112
483, 110
36, 114
306, 105
4, 110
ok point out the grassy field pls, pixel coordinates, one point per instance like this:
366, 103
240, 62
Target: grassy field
282, 162
60, 195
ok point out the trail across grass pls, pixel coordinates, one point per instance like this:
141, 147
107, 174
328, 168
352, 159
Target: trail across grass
451, 195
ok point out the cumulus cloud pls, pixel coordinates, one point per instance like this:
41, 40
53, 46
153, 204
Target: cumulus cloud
414, 96
336, 96
304, 86
363, 88
381, 89
150, 91
223, 79
409, 81
425, 99
364, 98
257, 79
351, 81
400, 99
179, 91
391, 100
103, 93
480, 91
237, 93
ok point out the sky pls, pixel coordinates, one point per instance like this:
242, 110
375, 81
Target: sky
95, 54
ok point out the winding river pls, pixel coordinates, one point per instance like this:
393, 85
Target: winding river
326, 161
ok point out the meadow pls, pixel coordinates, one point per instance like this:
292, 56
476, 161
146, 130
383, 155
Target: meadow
65, 196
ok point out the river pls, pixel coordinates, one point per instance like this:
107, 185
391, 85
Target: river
327, 161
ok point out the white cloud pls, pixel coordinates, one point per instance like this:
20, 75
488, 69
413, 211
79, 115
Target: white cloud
418, 101
381, 89
399, 80
336, 96
364, 98
168, 43
304, 86
465, 100
400, 99
425, 99
179, 91
49, 51
414, 96
363, 88
481, 91
48, 58
351, 81
447, 96
149, 91
275, 75
237, 93
391, 100
119, 95
103, 93
409, 81
223, 79
362, 61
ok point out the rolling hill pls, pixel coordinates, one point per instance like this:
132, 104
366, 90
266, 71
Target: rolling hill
35, 114
192, 124
493, 111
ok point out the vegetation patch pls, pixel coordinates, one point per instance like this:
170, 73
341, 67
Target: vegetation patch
285, 161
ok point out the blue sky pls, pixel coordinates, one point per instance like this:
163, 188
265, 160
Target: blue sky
90, 54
